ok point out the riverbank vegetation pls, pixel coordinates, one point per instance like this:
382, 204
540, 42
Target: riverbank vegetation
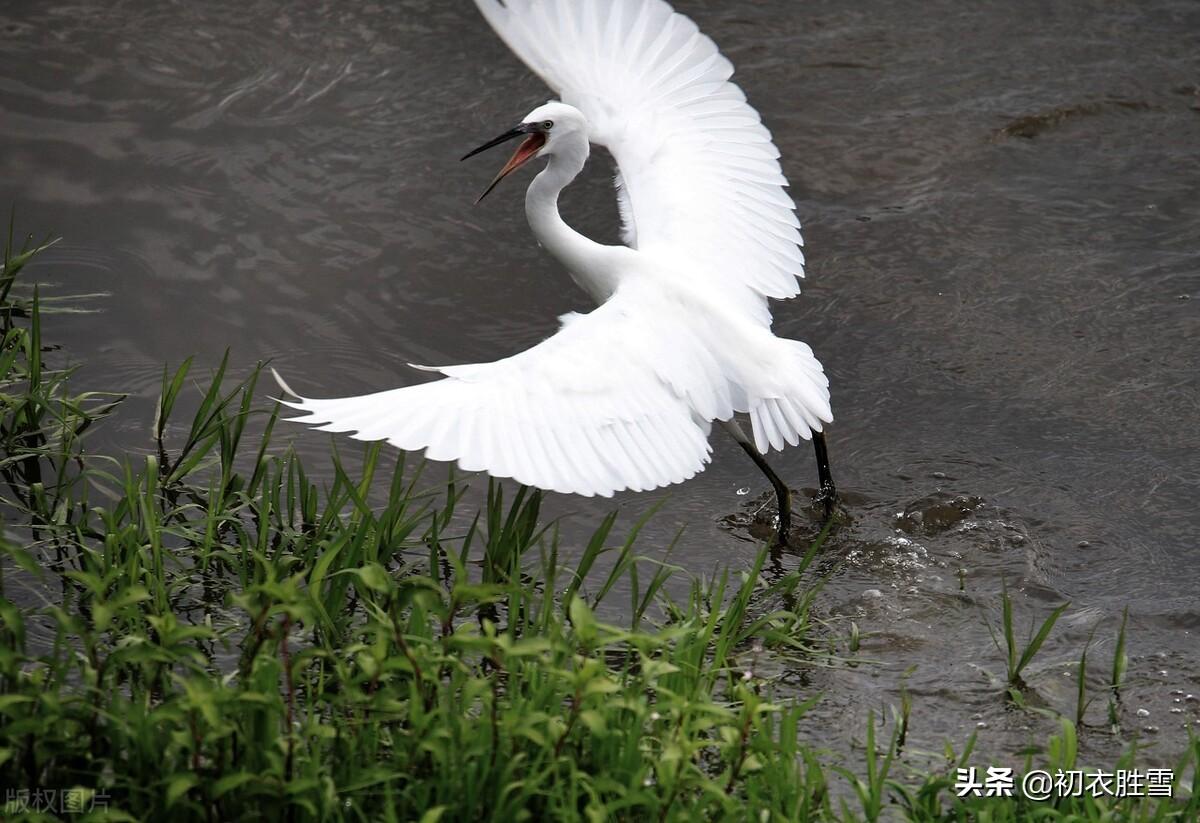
199, 631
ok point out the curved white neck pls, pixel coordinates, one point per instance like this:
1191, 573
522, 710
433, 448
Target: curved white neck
593, 266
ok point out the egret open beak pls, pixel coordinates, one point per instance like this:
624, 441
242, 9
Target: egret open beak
525, 152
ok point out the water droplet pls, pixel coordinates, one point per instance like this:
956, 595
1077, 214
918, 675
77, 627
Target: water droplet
743, 491
982, 724
1143, 712
872, 594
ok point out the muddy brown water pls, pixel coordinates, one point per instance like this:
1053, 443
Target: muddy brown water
1001, 204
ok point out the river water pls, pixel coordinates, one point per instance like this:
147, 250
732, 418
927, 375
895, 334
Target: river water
1001, 204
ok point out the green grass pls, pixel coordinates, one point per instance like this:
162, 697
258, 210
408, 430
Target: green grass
1017, 657
204, 633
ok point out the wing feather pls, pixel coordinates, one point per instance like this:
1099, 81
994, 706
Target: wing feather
602, 405
697, 169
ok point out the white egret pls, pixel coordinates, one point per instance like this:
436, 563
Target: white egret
624, 397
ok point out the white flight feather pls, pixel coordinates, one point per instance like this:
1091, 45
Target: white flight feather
698, 170
589, 411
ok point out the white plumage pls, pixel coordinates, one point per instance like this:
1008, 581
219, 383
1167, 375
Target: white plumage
624, 396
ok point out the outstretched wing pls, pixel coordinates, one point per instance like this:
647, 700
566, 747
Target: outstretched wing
699, 173
585, 411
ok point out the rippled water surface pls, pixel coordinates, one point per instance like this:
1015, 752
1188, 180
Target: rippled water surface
1002, 214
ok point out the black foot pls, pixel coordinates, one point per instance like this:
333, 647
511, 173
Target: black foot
827, 499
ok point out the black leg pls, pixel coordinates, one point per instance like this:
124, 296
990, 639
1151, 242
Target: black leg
783, 495
827, 493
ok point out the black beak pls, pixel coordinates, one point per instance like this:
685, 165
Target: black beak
535, 138
504, 138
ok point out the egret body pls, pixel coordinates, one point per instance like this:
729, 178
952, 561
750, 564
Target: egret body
624, 397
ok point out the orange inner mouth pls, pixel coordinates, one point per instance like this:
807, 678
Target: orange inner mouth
524, 153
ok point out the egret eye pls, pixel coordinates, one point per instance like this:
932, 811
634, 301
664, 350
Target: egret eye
547, 124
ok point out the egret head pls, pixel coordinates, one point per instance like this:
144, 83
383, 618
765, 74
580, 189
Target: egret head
549, 129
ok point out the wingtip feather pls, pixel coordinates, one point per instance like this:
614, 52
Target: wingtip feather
286, 388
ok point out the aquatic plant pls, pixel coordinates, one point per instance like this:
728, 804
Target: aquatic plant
1016, 657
